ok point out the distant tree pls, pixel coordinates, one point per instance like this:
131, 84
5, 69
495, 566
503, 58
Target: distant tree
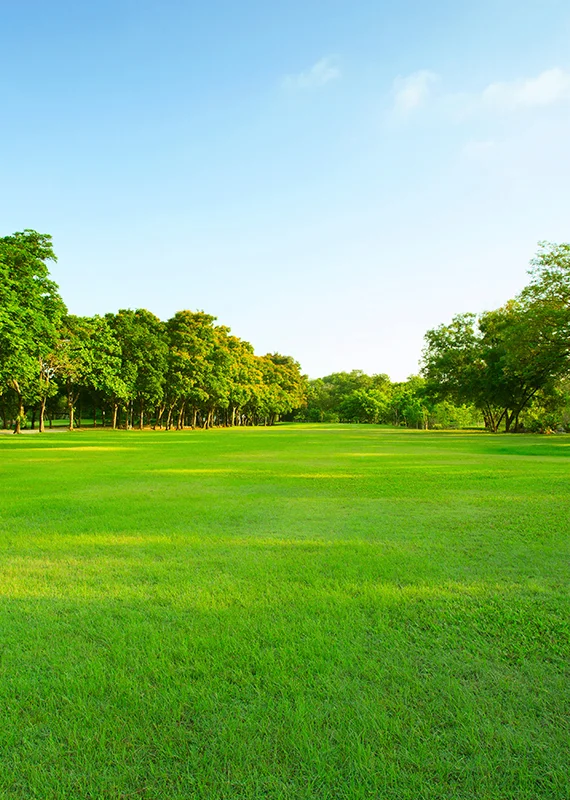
410, 404
284, 387
364, 405
141, 337
245, 379
88, 357
191, 340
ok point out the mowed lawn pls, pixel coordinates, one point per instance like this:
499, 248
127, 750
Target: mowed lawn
297, 612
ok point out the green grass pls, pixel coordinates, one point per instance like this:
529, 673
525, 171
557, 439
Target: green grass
300, 612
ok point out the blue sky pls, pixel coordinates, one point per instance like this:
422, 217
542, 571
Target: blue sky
330, 179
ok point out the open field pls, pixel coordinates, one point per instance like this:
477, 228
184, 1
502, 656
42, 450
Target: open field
299, 612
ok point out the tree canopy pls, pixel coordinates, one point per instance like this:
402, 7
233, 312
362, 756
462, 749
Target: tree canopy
506, 360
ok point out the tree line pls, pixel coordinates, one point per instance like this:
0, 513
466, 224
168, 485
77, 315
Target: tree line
508, 369
125, 369
358, 397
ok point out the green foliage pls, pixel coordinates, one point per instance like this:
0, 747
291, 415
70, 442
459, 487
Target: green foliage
89, 357
505, 365
359, 398
503, 361
187, 370
143, 345
30, 314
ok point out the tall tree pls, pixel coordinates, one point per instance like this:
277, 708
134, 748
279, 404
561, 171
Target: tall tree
144, 352
89, 358
191, 340
30, 313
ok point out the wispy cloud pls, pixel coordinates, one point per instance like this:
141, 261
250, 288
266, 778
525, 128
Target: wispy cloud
413, 91
321, 73
550, 87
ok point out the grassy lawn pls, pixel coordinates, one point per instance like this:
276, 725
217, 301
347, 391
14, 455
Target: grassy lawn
299, 612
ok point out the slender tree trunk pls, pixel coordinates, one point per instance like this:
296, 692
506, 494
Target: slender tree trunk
158, 418
70, 400
115, 412
42, 414
141, 417
21, 412
180, 423
169, 418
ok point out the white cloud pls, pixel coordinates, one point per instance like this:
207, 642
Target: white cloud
321, 73
413, 91
550, 87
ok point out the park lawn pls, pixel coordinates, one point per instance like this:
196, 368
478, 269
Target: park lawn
292, 612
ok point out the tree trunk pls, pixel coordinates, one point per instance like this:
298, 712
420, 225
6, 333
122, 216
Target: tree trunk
141, 418
115, 412
159, 413
180, 423
21, 412
70, 408
42, 414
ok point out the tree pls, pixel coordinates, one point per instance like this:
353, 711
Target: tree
30, 313
284, 388
191, 341
545, 303
503, 359
455, 368
245, 378
141, 337
88, 357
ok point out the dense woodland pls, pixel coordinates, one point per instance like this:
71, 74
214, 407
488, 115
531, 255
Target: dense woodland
507, 369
